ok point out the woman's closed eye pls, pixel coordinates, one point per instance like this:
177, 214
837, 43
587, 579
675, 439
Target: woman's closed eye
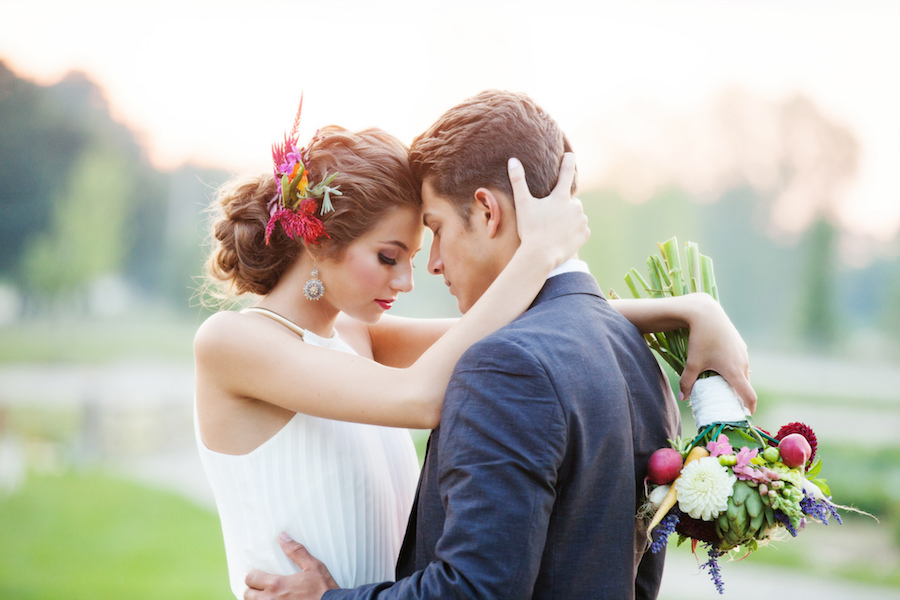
387, 259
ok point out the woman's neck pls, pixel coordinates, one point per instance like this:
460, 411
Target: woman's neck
287, 299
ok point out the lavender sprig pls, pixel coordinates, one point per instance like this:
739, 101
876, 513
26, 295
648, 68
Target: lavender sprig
715, 571
786, 521
819, 509
662, 531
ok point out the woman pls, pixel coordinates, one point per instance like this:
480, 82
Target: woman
284, 422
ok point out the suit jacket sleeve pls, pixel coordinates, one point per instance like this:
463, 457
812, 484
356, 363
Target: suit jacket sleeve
502, 441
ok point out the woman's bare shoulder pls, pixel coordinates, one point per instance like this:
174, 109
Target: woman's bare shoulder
217, 328
231, 331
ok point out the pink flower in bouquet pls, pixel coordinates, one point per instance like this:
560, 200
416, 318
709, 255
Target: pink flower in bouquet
745, 470
720, 447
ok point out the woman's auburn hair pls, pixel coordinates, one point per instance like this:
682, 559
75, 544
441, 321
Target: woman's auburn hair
374, 179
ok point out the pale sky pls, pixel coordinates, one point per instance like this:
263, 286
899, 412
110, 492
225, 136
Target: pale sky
216, 82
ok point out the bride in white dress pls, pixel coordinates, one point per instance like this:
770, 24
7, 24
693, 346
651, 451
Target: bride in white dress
302, 401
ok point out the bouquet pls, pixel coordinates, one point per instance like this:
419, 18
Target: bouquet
733, 487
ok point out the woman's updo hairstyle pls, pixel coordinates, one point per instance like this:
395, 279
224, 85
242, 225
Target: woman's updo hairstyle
374, 179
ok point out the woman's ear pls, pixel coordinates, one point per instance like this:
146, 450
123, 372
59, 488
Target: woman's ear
315, 251
488, 210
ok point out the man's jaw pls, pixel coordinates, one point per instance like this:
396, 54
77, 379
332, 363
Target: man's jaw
461, 305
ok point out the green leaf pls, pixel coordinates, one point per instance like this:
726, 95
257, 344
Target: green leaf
292, 192
655, 272
285, 191
328, 179
672, 261
814, 469
709, 278
629, 281
820, 483
693, 259
738, 438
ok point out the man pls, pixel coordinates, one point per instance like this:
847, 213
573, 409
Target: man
533, 478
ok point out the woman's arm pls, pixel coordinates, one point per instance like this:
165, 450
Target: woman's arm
235, 353
714, 343
400, 341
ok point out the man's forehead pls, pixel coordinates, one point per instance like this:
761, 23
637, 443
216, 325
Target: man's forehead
431, 201
427, 189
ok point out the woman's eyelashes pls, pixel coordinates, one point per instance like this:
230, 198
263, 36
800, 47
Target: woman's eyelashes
387, 260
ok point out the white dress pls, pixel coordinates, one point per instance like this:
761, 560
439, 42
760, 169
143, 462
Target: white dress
344, 490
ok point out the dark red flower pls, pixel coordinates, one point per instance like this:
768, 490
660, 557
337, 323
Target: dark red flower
300, 222
705, 531
804, 430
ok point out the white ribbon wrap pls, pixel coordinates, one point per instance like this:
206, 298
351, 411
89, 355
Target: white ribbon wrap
714, 401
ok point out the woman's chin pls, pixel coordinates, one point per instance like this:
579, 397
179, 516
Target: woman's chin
369, 317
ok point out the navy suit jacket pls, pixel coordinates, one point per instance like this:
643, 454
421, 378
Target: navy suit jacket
533, 478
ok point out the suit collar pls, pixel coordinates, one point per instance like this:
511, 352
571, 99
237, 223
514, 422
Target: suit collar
576, 282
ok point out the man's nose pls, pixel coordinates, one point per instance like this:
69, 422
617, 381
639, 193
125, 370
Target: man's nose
435, 264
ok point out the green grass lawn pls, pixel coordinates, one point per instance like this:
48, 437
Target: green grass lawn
86, 535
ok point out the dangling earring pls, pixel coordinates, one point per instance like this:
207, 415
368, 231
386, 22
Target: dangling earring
314, 288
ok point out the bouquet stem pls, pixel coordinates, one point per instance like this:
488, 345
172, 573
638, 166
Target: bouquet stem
713, 400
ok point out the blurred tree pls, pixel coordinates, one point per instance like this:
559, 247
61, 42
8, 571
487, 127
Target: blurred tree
819, 160
186, 229
818, 318
85, 236
889, 316
38, 146
79, 199
144, 265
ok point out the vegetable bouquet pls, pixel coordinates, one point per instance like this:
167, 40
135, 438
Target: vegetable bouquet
732, 487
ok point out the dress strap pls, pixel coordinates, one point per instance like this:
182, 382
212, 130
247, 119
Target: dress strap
276, 317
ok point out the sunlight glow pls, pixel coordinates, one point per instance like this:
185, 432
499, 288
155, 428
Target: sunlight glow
214, 83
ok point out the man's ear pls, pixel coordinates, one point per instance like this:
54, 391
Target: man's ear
488, 211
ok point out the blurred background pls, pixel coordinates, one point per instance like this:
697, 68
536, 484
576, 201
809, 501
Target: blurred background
767, 132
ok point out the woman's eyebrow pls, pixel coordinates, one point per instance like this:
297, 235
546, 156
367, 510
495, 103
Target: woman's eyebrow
397, 243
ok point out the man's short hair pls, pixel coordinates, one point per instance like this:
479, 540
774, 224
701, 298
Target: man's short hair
469, 146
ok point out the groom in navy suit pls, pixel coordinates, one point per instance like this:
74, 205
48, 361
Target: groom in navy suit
533, 478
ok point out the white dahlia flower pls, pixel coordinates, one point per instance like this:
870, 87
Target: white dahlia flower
704, 487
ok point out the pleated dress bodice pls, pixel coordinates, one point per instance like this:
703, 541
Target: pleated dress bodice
344, 490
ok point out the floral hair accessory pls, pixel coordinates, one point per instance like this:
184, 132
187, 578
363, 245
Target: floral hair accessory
298, 198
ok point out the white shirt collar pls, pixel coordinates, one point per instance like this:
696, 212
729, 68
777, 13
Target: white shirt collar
570, 266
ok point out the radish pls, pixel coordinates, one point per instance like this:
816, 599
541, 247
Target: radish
795, 450
664, 466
